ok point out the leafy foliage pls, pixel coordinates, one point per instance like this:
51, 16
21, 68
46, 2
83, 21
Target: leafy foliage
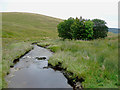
100, 29
82, 29
64, 28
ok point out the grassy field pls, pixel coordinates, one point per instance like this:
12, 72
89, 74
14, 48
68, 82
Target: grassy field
27, 25
96, 61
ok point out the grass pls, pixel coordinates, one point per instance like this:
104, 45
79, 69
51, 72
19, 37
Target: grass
96, 61
25, 25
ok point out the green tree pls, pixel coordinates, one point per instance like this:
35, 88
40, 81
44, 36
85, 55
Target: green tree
100, 29
64, 29
82, 29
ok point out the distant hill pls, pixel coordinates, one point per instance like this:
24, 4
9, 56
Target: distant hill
25, 25
114, 30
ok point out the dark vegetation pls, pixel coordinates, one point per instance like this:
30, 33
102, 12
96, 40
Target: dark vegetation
82, 29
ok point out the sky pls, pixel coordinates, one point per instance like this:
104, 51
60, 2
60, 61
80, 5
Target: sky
89, 9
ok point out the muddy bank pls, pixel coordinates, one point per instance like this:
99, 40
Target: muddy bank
32, 71
18, 58
76, 83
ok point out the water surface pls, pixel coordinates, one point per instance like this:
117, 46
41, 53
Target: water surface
29, 72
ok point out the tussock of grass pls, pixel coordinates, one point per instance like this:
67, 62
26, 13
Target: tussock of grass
96, 61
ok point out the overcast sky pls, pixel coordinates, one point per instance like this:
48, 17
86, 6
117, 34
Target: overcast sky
88, 9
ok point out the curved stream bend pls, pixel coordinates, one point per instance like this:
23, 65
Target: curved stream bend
29, 72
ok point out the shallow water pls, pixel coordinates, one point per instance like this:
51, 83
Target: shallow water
30, 72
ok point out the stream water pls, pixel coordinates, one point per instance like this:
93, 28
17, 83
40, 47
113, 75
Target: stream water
30, 72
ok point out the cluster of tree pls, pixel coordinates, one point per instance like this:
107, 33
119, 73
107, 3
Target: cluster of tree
82, 29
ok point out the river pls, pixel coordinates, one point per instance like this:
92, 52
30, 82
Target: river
30, 72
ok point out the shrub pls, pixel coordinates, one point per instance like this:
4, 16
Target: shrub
64, 29
82, 29
100, 30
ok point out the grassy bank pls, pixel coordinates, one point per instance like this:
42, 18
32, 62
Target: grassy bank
96, 61
10, 52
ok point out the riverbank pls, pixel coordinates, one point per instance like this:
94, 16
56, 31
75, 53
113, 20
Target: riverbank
12, 51
96, 62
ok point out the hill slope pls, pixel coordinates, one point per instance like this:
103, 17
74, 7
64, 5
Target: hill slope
28, 25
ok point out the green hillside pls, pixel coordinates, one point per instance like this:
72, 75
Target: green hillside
24, 25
